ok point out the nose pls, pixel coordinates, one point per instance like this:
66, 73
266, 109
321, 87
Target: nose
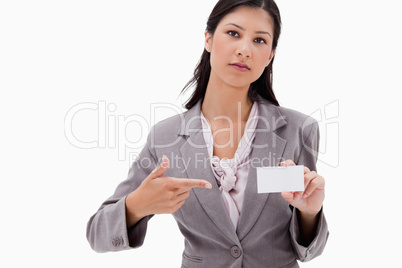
244, 50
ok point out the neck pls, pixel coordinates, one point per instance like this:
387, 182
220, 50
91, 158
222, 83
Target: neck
223, 100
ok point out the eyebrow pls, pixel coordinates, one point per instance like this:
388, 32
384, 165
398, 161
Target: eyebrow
241, 28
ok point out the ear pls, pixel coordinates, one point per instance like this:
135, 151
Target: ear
208, 41
271, 57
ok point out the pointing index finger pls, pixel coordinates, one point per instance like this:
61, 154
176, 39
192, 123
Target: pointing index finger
191, 183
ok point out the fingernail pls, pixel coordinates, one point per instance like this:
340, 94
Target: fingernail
164, 161
305, 195
208, 186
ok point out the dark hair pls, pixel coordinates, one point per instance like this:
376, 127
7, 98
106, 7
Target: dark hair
263, 85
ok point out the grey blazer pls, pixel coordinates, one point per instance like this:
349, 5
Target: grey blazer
267, 234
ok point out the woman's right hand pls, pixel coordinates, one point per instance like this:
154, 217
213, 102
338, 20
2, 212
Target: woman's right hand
159, 195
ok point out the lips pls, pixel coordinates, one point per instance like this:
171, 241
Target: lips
240, 66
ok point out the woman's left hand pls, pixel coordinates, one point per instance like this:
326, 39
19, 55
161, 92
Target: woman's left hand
310, 201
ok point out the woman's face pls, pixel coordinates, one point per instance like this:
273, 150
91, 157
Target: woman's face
241, 47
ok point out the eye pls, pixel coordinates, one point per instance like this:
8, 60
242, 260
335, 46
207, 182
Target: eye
233, 33
260, 41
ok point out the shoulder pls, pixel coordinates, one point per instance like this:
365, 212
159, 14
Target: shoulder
289, 123
283, 118
296, 119
170, 125
166, 131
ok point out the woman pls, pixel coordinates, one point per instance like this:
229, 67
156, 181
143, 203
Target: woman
207, 177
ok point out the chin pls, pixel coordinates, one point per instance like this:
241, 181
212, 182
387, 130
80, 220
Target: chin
240, 84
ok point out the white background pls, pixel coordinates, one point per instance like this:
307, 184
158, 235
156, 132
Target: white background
57, 54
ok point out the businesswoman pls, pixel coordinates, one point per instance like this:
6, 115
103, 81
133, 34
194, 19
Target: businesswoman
200, 165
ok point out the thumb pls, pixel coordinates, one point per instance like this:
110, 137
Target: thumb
161, 168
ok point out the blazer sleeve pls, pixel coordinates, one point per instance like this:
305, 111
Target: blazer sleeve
107, 229
308, 157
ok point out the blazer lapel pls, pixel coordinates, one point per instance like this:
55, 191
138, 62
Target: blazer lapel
194, 151
267, 150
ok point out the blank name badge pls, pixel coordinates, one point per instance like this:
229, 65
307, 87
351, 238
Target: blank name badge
280, 179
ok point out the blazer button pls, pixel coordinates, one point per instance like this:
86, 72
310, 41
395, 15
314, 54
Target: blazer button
235, 251
118, 241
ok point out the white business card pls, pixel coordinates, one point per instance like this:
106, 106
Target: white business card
280, 179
